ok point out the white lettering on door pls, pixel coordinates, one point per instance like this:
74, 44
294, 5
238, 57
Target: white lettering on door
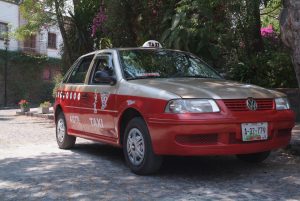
95, 101
74, 119
96, 122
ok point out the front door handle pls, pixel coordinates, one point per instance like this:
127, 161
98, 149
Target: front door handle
85, 96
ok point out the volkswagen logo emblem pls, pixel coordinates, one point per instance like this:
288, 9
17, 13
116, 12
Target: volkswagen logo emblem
251, 104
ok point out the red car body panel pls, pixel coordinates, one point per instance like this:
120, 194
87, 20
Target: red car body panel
173, 134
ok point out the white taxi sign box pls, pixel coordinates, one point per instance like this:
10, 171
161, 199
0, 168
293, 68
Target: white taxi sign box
152, 44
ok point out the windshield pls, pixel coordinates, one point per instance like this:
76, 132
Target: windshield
157, 63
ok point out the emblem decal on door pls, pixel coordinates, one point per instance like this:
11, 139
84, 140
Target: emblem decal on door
104, 99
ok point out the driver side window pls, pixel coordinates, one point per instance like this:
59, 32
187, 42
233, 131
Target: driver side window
103, 64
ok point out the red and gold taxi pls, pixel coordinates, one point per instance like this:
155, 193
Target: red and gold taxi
154, 102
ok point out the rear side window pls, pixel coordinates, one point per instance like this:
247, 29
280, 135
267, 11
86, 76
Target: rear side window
79, 72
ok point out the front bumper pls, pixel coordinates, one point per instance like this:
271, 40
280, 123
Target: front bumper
217, 134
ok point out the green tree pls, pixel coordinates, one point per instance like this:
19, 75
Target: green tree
75, 27
131, 23
227, 34
39, 14
270, 14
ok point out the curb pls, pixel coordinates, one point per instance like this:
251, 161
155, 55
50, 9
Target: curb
34, 114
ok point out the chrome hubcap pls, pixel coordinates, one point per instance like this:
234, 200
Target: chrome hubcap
135, 146
60, 130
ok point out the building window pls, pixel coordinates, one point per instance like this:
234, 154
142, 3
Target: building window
30, 44
52, 40
3, 30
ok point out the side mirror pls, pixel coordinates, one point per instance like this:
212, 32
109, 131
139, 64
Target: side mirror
102, 77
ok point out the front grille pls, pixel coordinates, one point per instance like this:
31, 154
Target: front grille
241, 105
206, 139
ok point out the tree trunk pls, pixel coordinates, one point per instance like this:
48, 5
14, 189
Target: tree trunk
290, 31
61, 25
254, 25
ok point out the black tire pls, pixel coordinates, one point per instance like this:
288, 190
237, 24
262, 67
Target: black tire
254, 158
150, 162
63, 140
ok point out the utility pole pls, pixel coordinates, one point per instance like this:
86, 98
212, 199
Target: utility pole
6, 44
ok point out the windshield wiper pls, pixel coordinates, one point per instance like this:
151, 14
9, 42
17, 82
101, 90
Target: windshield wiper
190, 76
142, 77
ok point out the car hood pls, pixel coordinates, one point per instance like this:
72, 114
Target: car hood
208, 88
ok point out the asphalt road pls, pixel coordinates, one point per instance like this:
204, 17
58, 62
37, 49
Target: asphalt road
33, 168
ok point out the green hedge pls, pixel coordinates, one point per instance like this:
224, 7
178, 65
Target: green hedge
25, 79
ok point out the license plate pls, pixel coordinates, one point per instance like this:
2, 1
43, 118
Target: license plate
254, 131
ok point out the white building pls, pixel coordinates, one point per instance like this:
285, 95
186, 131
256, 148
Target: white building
46, 42
9, 20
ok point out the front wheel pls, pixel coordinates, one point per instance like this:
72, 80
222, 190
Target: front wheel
137, 148
254, 158
64, 140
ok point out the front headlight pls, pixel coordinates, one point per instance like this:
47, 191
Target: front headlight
192, 106
282, 104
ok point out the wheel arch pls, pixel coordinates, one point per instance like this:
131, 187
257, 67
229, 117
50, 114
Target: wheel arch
58, 109
126, 116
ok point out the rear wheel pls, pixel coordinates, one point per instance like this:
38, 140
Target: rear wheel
254, 158
137, 148
64, 140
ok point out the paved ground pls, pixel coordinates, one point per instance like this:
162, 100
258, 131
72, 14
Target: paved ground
33, 168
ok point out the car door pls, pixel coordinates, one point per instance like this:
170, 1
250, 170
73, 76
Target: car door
71, 94
98, 101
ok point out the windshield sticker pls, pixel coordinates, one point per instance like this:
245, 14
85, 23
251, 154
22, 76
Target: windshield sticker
148, 74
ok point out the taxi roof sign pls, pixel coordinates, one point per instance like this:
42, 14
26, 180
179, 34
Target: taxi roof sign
152, 44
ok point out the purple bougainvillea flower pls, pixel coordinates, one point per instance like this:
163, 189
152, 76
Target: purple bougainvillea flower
98, 21
267, 31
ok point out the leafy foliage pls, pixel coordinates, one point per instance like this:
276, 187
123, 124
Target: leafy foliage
34, 13
270, 14
56, 81
226, 34
25, 77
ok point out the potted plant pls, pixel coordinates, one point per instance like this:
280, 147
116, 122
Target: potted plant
24, 105
44, 107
